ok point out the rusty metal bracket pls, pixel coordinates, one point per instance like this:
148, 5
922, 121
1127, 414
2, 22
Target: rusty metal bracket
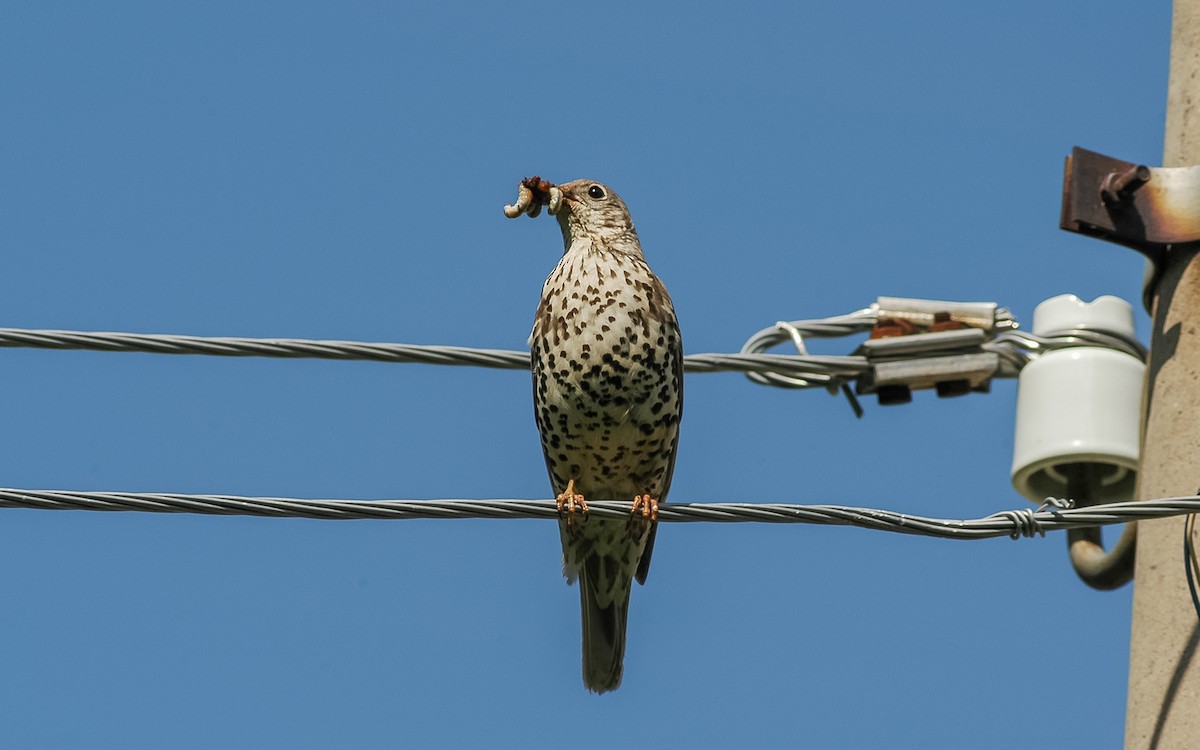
1150, 209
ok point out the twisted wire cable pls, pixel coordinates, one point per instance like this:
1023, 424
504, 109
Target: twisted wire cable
1024, 522
1014, 348
225, 346
801, 370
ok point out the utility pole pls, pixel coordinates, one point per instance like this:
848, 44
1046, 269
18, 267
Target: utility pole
1164, 669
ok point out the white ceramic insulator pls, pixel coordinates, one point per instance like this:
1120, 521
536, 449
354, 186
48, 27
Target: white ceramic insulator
1079, 405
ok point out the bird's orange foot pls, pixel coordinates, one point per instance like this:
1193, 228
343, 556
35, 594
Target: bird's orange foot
570, 499
647, 506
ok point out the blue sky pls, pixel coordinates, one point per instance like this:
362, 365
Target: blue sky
337, 171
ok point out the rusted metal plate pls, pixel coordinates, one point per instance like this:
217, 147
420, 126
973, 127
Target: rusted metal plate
1146, 208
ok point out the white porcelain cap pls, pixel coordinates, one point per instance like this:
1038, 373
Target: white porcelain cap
1079, 405
1066, 311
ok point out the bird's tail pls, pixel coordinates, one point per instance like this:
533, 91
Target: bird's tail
604, 619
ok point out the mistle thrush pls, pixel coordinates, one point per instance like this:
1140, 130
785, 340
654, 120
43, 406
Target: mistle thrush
608, 395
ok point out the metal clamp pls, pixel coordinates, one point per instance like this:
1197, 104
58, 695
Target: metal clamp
925, 344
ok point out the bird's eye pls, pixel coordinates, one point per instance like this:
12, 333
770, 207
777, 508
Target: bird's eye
596, 192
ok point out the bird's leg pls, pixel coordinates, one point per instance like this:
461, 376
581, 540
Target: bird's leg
569, 499
647, 506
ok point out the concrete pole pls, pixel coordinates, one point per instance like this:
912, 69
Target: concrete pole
1164, 668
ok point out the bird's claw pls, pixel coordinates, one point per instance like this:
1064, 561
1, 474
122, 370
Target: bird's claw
570, 500
647, 506
532, 194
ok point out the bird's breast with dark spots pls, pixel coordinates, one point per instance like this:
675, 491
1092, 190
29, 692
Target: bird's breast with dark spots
606, 366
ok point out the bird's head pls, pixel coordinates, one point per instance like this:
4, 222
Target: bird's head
591, 210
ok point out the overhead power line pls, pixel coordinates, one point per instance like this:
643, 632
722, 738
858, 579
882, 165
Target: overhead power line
158, 343
1054, 515
955, 341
